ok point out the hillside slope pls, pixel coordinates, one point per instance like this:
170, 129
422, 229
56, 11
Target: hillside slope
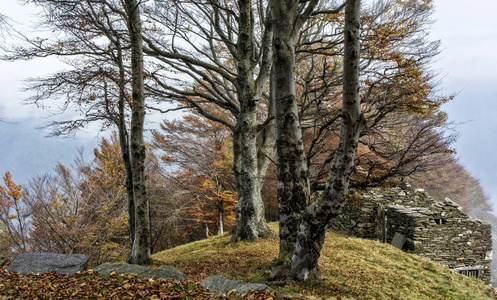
352, 268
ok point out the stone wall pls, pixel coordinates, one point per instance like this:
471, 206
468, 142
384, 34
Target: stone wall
417, 223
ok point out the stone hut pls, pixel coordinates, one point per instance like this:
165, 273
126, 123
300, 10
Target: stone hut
415, 222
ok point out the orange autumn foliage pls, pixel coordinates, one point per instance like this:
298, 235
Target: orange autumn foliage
199, 153
406, 131
82, 209
13, 217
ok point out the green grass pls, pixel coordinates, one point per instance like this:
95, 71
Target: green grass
351, 268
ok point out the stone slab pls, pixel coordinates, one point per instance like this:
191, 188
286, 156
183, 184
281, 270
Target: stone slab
165, 272
221, 285
38, 263
398, 240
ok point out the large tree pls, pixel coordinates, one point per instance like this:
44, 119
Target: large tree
311, 232
95, 43
141, 248
225, 50
400, 105
293, 184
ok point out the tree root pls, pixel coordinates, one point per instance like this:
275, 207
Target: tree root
284, 274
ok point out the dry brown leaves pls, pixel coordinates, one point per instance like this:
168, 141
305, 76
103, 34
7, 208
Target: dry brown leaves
88, 285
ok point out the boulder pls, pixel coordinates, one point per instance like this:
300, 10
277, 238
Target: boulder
37, 263
165, 272
221, 285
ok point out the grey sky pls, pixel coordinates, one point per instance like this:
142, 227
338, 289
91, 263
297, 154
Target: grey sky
24, 149
468, 62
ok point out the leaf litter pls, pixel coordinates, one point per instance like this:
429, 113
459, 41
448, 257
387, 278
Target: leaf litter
89, 285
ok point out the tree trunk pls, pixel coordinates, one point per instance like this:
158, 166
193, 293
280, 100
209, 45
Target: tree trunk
140, 252
124, 144
293, 184
221, 223
266, 139
251, 223
312, 230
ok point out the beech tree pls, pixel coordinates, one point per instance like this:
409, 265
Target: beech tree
293, 183
225, 49
96, 44
141, 248
311, 232
383, 149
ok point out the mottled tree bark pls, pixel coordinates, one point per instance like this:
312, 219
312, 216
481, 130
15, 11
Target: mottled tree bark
312, 230
124, 143
251, 54
140, 252
251, 223
293, 183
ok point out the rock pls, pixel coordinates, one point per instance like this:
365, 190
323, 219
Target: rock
398, 240
37, 263
221, 285
165, 272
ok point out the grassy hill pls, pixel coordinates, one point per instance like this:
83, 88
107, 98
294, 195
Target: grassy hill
352, 268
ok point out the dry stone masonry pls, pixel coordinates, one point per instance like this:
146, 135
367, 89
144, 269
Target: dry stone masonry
415, 222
